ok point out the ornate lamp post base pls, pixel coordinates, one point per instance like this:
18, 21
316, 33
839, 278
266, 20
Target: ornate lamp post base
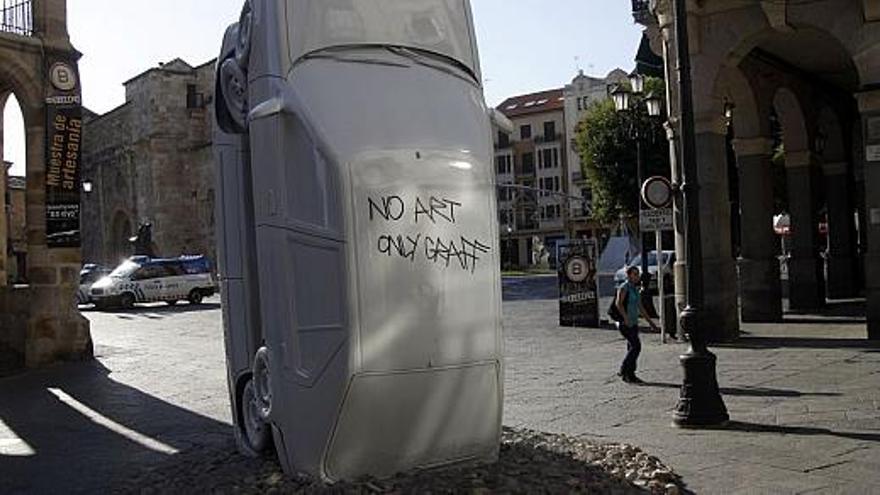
700, 403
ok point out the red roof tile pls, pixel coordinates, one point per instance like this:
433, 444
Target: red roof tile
544, 101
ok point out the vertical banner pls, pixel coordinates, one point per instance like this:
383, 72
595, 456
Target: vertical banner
63, 156
578, 294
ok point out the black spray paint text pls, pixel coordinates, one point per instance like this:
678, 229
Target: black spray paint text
450, 250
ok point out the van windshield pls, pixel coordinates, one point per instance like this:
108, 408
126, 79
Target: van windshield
443, 27
125, 269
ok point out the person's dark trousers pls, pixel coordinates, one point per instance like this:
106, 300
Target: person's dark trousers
633, 349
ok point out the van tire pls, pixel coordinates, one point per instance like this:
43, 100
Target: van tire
262, 384
195, 297
245, 36
127, 300
255, 434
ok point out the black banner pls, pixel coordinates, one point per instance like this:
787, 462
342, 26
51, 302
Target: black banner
63, 157
578, 295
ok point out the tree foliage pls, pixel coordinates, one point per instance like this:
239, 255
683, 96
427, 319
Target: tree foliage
606, 143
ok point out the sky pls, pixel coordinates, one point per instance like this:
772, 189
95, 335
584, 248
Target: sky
525, 45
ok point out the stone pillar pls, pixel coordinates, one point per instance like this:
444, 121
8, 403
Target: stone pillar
760, 284
56, 331
4, 225
720, 316
50, 21
805, 267
869, 106
842, 279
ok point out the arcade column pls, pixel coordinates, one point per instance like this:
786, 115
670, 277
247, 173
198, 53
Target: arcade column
720, 316
805, 268
760, 284
842, 279
869, 106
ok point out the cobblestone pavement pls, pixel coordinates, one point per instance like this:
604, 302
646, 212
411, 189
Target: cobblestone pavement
805, 408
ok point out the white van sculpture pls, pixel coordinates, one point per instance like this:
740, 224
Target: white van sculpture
358, 237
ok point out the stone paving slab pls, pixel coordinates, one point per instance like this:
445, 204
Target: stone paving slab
806, 410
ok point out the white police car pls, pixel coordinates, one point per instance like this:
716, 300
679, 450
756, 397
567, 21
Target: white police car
141, 279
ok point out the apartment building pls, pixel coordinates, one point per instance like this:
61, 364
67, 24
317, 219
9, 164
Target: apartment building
580, 94
531, 170
543, 197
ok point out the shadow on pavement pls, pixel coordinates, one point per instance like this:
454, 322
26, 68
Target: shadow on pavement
834, 320
73, 429
851, 308
154, 309
796, 430
532, 288
752, 392
794, 342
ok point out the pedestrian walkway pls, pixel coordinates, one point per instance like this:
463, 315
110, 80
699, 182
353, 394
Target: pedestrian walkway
805, 410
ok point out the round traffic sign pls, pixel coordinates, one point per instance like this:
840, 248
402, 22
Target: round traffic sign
657, 192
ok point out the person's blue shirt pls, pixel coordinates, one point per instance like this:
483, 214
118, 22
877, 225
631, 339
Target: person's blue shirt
632, 302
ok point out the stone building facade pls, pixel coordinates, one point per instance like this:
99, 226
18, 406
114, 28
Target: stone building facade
788, 78
150, 160
39, 322
540, 156
532, 158
582, 92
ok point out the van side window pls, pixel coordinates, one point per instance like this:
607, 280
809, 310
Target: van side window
174, 270
149, 272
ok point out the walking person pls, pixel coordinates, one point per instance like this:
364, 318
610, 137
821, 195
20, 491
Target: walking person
629, 304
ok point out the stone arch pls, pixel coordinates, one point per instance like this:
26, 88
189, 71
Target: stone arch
829, 125
746, 29
42, 317
793, 121
734, 88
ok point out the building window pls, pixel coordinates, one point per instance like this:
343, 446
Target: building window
546, 159
528, 163
503, 139
525, 132
549, 130
194, 99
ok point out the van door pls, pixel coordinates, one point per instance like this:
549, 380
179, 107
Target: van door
175, 287
150, 280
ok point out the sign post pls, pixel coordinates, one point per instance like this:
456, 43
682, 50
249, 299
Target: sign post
657, 193
578, 294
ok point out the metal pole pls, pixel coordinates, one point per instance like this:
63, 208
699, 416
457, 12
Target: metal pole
700, 403
643, 238
658, 239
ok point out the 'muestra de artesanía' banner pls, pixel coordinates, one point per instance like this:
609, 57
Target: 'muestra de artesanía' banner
63, 156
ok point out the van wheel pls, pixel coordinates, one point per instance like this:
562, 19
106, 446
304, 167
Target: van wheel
195, 297
262, 384
255, 433
245, 30
233, 86
127, 300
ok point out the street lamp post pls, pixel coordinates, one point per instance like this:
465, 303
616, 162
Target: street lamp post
700, 402
624, 102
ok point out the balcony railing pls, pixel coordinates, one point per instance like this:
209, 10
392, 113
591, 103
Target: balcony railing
548, 138
17, 17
